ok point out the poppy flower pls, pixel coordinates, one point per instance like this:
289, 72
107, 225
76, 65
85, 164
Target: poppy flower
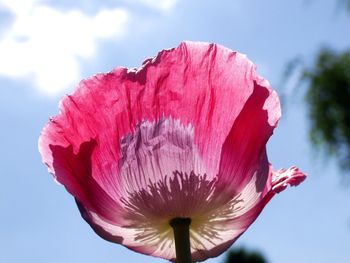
179, 143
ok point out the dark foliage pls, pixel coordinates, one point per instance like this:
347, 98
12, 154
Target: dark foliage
241, 255
328, 98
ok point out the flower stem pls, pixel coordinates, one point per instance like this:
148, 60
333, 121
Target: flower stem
181, 227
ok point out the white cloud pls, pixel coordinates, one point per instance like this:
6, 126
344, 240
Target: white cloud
44, 44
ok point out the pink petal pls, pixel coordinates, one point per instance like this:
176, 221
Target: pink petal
284, 177
214, 77
248, 137
74, 172
252, 203
201, 84
182, 136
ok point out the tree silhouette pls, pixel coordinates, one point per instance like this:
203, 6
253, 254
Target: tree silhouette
241, 255
328, 98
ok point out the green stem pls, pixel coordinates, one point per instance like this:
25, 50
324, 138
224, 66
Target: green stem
181, 227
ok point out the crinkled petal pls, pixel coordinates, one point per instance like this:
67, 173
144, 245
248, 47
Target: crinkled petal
232, 218
203, 85
186, 83
248, 137
182, 136
284, 177
216, 225
252, 203
74, 172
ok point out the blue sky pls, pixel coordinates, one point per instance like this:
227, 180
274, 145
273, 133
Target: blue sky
47, 46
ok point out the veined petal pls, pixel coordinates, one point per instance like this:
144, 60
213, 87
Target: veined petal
186, 83
74, 172
284, 177
216, 221
251, 202
241, 151
184, 135
203, 85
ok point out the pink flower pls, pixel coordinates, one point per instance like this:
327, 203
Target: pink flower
183, 136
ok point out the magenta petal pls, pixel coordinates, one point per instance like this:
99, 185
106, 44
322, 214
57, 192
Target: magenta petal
184, 135
240, 156
74, 172
284, 177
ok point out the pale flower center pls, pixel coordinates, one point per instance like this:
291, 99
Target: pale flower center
164, 179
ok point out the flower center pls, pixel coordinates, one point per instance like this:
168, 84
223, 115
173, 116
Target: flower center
153, 212
165, 184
